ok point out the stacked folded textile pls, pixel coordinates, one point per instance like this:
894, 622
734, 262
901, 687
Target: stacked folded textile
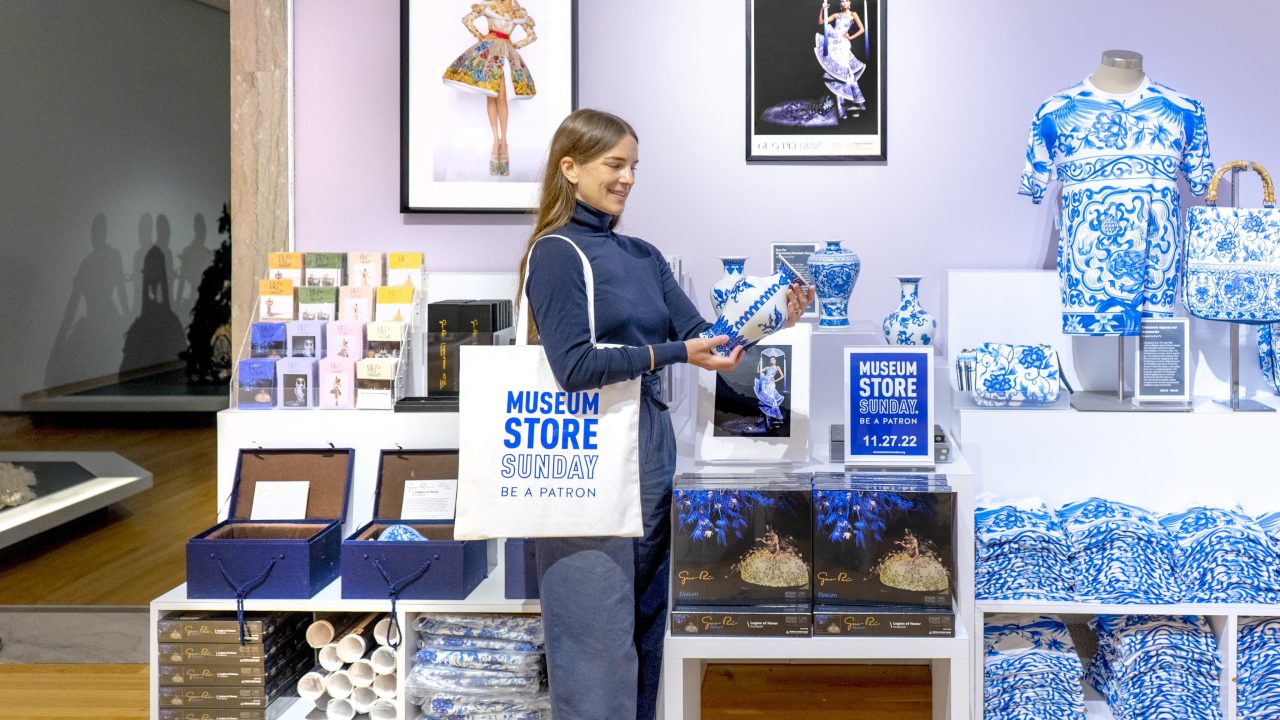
1022, 553
1031, 670
471, 666
1119, 553
1150, 667
1258, 669
1224, 556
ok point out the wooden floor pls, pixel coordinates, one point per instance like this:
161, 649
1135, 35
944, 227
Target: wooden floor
729, 692
134, 551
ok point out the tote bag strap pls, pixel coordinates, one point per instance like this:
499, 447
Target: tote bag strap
522, 321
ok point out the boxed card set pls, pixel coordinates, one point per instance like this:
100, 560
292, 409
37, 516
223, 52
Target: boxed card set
256, 383
296, 382
344, 339
284, 531
337, 383
268, 340
364, 269
410, 541
376, 386
395, 303
405, 268
318, 303
275, 300
741, 541
324, 269
384, 339
306, 338
356, 304
285, 266
884, 540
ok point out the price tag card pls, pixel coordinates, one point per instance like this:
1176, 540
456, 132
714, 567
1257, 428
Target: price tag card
280, 500
797, 254
1163, 361
888, 406
429, 499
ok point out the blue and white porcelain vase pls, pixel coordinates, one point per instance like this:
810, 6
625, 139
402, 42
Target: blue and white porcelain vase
733, 267
910, 324
756, 308
835, 272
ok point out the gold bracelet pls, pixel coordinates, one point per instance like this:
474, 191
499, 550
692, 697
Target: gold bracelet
650, 357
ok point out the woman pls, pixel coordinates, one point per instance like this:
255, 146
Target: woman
835, 54
766, 388
604, 600
480, 68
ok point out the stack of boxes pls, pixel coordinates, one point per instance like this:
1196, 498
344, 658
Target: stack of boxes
206, 672
835, 554
452, 324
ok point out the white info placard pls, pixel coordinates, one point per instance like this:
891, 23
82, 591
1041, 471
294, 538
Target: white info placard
280, 500
429, 499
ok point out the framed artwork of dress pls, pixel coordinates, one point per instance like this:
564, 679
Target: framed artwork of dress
758, 412
483, 86
816, 80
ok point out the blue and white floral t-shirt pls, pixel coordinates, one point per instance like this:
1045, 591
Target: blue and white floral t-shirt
1118, 157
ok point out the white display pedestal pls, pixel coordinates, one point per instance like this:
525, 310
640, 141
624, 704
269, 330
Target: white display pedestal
1161, 461
115, 479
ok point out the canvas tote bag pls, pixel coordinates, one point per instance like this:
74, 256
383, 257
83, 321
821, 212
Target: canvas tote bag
536, 461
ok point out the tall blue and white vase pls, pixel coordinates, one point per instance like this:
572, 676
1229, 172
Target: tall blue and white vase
835, 272
733, 267
756, 308
910, 324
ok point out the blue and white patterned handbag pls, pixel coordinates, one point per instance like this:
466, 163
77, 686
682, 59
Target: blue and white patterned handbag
1003, 375
1233, 256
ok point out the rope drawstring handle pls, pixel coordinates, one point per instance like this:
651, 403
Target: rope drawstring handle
393, 590
242, 590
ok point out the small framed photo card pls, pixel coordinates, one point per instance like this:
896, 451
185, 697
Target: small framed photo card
759, 412
888, 406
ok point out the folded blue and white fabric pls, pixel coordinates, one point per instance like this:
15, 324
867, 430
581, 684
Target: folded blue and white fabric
1021, 553
479, 667
444, 705
520, 628
1224, 556
1258, 669
1156, 666
1120, 553
1030, 669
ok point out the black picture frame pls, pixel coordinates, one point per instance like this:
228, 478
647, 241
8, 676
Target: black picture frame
429, 184
794, 103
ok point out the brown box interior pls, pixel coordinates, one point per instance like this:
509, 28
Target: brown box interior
443, 531
266, 531
399, 466
326, 470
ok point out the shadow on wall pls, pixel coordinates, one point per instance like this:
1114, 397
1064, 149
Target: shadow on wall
99, 306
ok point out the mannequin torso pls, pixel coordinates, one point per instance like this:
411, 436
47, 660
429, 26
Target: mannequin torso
1119, 72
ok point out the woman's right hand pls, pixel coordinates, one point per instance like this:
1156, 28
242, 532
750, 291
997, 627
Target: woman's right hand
702, 354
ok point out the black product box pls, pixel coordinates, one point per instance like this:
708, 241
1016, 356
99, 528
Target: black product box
738, 621
214, 697
454, 323
219, 627
741, 541
851, 621
370, 565
268, 673
222, 653
884, 539
293, 558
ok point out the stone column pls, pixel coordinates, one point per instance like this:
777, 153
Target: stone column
259, 148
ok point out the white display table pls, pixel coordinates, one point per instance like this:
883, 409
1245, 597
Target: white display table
112, 479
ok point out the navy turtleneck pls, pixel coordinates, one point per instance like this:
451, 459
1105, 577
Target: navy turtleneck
637, 303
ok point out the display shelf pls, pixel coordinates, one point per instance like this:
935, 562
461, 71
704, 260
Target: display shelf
990, 607
113, 479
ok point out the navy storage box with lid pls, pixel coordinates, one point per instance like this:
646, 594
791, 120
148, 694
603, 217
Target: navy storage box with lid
440, 568
520, 556
275, 559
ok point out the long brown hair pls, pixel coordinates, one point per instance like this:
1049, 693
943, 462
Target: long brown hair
583, 136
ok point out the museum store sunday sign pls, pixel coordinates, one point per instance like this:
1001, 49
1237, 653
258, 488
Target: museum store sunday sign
888, 406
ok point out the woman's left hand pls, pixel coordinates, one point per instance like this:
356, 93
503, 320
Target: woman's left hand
797, 300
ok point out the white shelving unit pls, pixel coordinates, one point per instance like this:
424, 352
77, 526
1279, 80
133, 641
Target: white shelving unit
1160, 461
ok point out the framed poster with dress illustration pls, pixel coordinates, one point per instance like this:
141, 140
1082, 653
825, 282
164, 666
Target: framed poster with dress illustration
816, 80
483, 87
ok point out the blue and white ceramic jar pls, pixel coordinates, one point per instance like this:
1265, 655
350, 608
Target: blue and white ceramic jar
835, 272
910, 324
756, 307
733, 268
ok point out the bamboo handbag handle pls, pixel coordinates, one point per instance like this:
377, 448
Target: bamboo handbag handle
1268, 187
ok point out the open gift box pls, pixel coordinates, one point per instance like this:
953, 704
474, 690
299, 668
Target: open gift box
246, 558
439, 568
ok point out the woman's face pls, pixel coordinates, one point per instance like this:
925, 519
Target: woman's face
846, 4
605, 182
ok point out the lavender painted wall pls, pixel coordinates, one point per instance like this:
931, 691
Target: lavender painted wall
963, 81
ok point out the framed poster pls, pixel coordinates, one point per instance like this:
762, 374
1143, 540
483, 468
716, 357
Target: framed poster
758, 412
816, 80
797, 255
888, 407
481, 94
